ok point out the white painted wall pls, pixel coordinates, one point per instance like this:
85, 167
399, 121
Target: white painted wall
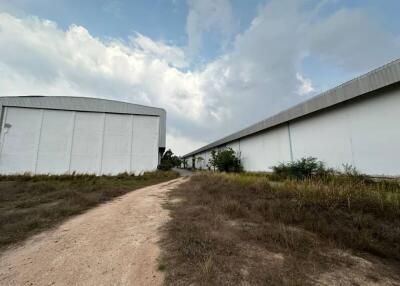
262, 151
57, 142
87, 143
19, 143
189, 162
364, 133
235, 145
376, 134
145, 143
200, 164
117, 143
325, 136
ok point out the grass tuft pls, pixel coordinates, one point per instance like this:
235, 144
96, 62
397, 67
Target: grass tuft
31, 204
232, 229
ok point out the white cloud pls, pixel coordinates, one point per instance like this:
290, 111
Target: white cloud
206, 16
38, 57
182, 144
305, 87
260, 74
171, 54
258, 77
352, 39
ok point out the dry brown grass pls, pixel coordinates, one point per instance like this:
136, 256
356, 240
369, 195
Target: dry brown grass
31, 204
245, 230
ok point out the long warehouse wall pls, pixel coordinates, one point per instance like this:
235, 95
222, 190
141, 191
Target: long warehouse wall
364, 133
43, 141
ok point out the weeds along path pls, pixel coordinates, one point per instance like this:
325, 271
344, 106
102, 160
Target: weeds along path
113, 244
241, 229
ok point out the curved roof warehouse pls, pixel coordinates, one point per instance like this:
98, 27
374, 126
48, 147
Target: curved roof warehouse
354, 123
61, 135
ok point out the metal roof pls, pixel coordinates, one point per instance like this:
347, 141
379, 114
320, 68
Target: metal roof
376, 79
87, 104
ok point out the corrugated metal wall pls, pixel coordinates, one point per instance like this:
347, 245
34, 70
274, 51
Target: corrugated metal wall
363, 133
87, 104
43, 141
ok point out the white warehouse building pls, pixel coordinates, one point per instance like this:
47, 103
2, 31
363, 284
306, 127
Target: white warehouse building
356, 123
63, 135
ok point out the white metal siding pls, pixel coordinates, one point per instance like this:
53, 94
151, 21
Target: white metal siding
117, 143
145, 143
197, 163
235, 145
189, 162
277, 146
264, 150
325, 136
363, 133
19, 144
56, 142
87, 104
375, 134
202, 164
87, 143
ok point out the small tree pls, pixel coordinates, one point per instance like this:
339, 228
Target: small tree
227, 161
169, 161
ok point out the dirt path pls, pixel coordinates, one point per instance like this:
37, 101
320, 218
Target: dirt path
113, 244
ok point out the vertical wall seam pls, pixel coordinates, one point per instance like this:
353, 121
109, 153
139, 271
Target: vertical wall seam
102, 144
349, 130
158, 140
3, 122
72, 142
1, 117
131, 146
353, 159
2, 132
39, 139
240, 153
290, 142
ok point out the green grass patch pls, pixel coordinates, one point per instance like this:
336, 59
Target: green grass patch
31, 204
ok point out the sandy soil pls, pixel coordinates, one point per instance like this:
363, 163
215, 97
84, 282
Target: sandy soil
113, 244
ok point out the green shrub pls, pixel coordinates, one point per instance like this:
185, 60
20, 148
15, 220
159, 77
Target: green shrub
226, 161
350, 172
302, 169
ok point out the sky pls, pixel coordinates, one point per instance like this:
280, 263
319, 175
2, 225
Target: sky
215, 66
